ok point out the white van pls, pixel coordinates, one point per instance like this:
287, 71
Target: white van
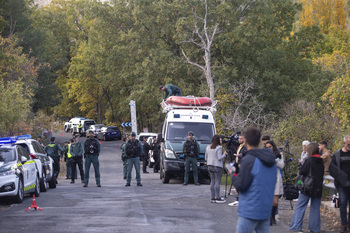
179, 120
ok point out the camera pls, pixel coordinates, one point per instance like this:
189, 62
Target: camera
231, 144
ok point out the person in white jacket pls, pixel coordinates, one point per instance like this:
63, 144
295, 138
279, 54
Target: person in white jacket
214, 158
279, 183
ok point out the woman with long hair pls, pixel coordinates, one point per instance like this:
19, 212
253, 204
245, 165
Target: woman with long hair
214, 157
279, 183
312, 172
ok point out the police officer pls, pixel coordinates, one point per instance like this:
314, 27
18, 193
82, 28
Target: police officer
76, 152
65, 157
80, 127
91, 153
145, 157
191, 153
133, 153
125, 168
170, 90
156, 154
52, 150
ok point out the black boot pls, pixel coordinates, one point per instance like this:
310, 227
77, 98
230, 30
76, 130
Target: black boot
273, 214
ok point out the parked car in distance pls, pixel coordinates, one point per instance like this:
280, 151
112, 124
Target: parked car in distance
36, 151
96, 128
18, 172
86, 123
146, 135
109, 133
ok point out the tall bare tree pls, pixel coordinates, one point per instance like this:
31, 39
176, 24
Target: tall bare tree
203, 37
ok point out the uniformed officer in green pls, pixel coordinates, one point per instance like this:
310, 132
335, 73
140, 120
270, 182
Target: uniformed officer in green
124, 158
76, 152
170, 90
80, 127
52, 150
65, 157
91, 153
191, 153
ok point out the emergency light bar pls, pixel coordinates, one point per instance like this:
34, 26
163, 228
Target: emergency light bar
13, 139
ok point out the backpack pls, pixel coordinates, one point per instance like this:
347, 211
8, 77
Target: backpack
91, 147
133, 149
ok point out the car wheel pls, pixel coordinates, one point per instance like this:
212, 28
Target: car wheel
20, 192
37, 187
52, 182
43, 183
164, 175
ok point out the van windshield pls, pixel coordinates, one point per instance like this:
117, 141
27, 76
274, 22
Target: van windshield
177, 131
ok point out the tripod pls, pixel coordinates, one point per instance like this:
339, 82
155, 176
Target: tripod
288, 187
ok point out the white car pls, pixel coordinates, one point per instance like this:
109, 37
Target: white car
43, 161
96, 128
18, 173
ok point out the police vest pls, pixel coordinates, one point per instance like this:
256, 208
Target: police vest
50, 149
191, 148
69, 155
80, 126
133, 149
91, 147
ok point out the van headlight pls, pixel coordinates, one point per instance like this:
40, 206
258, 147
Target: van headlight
169, 154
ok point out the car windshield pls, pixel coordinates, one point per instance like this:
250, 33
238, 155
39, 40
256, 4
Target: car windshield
6, 155
88, 123
178, 131
112, 128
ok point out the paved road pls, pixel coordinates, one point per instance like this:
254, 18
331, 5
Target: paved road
155, 207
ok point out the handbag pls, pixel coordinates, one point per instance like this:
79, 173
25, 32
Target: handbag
309, 184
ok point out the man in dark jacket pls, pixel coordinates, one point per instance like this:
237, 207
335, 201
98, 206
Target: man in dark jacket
255, 184
133, 153
145, 157
52, 150
191, 153
91, 152
156, 154
170, 90
340, 170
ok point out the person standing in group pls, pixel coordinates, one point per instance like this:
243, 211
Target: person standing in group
145, 156
312, 170
133, 154
170, 90
40, 141
66, 160
76, 151
156, 155
92, 150
52, 150
325, 155
213, 158
340, 170
255, 184
279, 183
304, 154
124, 158
191, 153
265, 139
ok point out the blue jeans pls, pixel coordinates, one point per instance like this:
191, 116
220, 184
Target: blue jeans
136, 163
245, 225
344, 199
215, 174
314, 218
94, 160
193, 161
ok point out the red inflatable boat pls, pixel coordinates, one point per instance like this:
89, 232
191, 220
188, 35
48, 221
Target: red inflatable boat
188, 101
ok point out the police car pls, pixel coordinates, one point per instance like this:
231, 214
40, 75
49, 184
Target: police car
18, 171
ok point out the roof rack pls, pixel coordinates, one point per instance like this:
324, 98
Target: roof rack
168, 107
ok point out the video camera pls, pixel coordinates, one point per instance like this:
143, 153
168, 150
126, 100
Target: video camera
231, 144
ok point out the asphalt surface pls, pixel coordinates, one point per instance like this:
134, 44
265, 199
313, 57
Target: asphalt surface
155, 207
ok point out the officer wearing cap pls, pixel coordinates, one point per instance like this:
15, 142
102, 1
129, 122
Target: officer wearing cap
91, 152
52, 150
76, 151
191, 153
133, 154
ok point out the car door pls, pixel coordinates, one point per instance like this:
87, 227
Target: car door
29, 169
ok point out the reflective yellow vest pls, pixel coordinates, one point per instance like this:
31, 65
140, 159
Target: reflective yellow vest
69, 155
80, 125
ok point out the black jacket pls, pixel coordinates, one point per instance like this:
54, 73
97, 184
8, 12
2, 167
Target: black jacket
317, 169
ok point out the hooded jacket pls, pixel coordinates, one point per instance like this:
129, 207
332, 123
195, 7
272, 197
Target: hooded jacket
255, 184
